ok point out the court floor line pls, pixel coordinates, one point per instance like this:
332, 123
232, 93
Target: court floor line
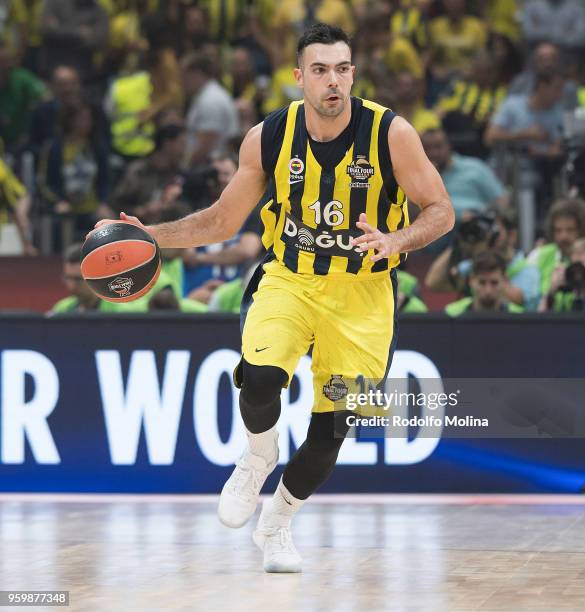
358, 498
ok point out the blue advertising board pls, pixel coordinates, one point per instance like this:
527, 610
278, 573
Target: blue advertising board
146, 404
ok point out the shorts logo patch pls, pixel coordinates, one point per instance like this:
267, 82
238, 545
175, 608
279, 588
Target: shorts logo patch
121, 286
360, 170
335, 389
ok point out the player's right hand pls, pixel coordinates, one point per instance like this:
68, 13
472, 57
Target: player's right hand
123, 217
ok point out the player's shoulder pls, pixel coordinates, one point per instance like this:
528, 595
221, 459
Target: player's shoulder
272, 135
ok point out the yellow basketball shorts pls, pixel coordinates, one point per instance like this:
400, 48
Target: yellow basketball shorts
348, 320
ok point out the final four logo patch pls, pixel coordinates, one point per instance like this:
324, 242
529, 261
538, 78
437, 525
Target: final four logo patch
360, 170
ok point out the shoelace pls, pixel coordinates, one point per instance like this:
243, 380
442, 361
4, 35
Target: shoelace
243, 475
283, 541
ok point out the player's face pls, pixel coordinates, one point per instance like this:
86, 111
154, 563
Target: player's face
565, 232
326, 77
487, 288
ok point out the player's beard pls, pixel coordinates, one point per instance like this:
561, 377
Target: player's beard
330, 112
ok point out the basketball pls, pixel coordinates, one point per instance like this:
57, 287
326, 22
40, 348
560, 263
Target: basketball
120, 261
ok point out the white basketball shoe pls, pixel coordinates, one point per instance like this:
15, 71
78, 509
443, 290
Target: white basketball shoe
273, 537
239, 496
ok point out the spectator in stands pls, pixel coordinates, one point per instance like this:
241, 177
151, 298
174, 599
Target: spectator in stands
470, 182
284, 88
224, 262
240, 82
144, 181
507, 55
487, 281
567, 290
166, 300
212, 118
532, 122
20, 92
67, 93
559, 21
134, 101
501, 16
450, 270
545, 59
15, 204
456, 38
409, 103
195, 30
74, 32
26, 15
468, 105
410, 20
408, 298
77, 170
565, 224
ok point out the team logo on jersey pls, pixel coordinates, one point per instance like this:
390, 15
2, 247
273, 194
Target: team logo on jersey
360, 170
121, 286
335, 389
296, 168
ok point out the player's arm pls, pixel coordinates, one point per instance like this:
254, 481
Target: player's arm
422, 185
225, 217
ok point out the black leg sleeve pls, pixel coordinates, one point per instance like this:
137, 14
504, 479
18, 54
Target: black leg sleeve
260, 396
314, 461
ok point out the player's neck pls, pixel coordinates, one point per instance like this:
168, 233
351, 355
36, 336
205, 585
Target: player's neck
324, 129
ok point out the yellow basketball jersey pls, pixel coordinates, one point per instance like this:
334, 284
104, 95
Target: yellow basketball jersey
312, 209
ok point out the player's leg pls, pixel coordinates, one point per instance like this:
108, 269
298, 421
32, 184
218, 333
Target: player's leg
277, 332
353, 338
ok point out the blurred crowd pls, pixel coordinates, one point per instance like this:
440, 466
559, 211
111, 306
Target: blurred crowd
140, 106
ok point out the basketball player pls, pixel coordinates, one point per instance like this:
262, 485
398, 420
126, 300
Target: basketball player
339, 170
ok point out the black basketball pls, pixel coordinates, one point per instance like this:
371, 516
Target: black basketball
120, 261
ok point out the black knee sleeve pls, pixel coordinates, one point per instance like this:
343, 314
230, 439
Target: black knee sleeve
314, 461
260, 396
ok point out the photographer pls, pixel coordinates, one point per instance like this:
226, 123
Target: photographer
565, 223
567, 291
146, 179
476, 234
487, 281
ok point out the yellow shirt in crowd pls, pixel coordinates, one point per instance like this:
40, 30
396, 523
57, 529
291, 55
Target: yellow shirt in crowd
455, 45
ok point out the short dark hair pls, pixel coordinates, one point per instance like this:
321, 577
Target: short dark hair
198, 61
573, 208
488, 261
322, 33
72, 254
167, 132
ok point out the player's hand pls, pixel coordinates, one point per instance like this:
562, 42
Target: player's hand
123, 217
373, 238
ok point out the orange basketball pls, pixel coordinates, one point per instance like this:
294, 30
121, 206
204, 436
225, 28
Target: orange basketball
120, 261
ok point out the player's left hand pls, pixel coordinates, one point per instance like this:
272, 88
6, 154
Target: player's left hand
373, 238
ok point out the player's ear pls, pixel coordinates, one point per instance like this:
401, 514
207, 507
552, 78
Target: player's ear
298, 74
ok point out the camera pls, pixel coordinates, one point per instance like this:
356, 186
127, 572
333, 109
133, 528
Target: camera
200, 185
575, 277
480, 228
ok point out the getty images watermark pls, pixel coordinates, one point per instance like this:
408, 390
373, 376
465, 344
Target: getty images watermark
459, 408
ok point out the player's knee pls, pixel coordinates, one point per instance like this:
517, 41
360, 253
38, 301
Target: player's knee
262, 384
260, 396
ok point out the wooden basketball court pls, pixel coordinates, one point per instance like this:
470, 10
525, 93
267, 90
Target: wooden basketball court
366, 553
